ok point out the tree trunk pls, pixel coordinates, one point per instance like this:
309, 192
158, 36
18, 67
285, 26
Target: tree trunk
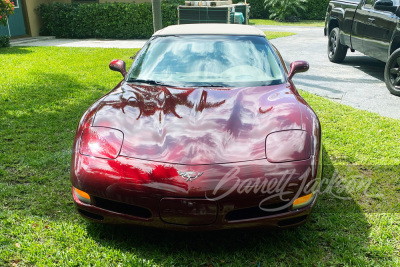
157, 19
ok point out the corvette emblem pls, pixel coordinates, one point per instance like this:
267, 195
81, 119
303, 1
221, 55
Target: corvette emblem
190, 175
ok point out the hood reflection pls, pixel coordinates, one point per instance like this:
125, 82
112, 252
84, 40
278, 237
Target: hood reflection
159, 99
198, 125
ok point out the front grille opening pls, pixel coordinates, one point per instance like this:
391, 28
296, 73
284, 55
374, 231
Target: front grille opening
293, 221
90, 215
256, 212
122, 208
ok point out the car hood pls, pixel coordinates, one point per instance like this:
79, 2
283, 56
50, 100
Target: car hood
198, 125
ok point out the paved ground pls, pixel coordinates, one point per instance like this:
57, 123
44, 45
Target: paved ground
51, 41
357, 82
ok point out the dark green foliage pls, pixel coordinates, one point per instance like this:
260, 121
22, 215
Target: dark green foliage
4, 41
315, 9
257, 10
130, 21
283, 10
109, 20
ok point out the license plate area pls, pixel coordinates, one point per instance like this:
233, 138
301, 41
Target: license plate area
187, 211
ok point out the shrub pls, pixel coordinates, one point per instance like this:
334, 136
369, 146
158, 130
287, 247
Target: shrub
284, 10
109, 20
4, 41
257, 10
316, 9
6, 9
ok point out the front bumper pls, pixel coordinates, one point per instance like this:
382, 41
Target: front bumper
138, 192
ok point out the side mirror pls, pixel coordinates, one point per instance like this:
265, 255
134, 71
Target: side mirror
296, 67
118, 65
385, 5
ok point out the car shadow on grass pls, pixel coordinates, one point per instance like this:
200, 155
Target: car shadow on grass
337, 232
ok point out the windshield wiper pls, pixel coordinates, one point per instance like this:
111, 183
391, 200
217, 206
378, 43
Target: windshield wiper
152, 82
212, 85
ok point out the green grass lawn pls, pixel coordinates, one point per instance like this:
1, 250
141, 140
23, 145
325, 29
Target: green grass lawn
44, 91
309, 23
273, 35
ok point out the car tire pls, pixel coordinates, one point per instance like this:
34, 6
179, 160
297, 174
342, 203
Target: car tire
392, 73
336, 51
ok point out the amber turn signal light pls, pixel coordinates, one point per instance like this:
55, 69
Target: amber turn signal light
81, 195
302, 201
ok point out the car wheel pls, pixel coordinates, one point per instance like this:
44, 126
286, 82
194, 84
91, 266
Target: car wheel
336, 51
392, 73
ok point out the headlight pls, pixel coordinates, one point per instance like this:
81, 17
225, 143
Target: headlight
101, 142
290, 145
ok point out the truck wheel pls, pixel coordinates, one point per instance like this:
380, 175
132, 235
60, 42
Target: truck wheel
392, 73
336, 51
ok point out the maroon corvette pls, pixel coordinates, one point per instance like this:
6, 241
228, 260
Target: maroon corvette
206, 131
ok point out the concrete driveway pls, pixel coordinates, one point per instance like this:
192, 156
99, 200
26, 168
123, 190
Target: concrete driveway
52, 41
357, 81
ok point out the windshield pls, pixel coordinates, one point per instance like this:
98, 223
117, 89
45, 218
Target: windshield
194, 60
